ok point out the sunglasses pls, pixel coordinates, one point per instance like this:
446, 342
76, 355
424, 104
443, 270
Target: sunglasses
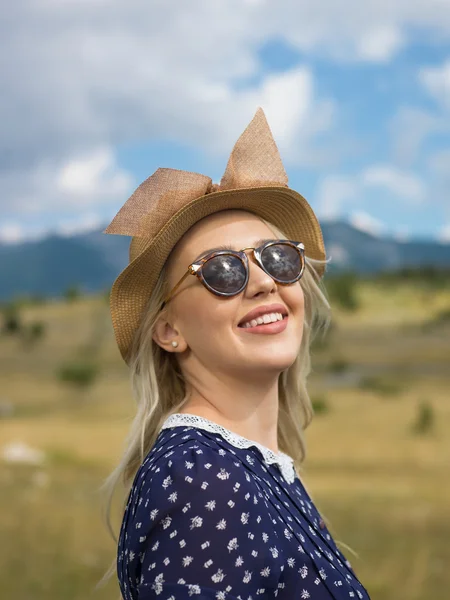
225, 273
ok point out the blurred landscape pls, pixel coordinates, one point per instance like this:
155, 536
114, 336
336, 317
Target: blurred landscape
96, 96
91, 261
378, 447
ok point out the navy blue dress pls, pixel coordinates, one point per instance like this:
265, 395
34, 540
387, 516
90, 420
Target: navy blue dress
212, 515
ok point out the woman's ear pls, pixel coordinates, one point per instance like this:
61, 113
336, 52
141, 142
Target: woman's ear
164, 334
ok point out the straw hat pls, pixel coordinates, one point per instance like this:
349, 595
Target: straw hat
170, 202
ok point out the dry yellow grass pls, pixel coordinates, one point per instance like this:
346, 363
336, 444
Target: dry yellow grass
385, 491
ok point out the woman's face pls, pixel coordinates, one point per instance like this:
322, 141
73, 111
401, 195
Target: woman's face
206, 325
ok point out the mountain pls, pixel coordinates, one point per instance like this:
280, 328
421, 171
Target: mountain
353, 249
49, 266
93, 260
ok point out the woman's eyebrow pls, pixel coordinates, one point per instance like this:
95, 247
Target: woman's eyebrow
229, 247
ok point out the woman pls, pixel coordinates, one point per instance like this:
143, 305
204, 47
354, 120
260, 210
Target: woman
219, 361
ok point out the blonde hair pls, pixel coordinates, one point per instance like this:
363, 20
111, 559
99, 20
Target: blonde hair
159, 388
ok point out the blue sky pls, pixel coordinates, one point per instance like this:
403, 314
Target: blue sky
102, 94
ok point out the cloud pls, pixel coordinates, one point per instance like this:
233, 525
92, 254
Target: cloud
11, 233
436, 80
15, 233
80, 182
79, 77
92, 179
439, 164
104, 72
367, 223
409, 128
444, 234
338, 254
402, 234
87, 222
294, 111
334, 191
381, 43
401, 184
439, 169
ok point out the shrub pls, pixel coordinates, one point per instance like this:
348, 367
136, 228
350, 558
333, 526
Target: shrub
34, 331
442, 317
338, 365
81, 373
424, 422
12, 322
379, 385
342, 290
72, 293
320, 404
323, 340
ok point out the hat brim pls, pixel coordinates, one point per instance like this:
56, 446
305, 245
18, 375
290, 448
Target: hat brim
282, 206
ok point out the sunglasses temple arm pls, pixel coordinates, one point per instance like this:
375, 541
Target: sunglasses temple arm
188, 272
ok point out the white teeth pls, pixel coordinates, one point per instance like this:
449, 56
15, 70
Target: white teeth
268, 318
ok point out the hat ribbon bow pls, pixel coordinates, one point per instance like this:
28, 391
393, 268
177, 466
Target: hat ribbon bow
254, 162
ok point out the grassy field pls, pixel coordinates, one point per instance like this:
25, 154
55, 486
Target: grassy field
384, 488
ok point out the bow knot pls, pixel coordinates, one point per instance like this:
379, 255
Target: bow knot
254, 162
214, 187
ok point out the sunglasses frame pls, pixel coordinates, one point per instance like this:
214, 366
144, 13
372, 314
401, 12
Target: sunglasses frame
196, 267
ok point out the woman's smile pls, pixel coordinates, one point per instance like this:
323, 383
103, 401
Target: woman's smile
268, 328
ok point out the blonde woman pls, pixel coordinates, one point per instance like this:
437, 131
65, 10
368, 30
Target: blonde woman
215, 315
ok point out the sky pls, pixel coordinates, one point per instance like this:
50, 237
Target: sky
97, 94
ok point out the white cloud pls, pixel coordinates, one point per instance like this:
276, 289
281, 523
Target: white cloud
87, 222
81, 182
409, 128
436, 81
334, 191
11, 233
402, 184
402, 234
444, 234
104, 73
381, 43
367, 223
338, 254
293, 110
439, 164
94, 177
15, 233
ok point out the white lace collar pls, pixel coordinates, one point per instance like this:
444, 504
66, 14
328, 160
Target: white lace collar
284, 461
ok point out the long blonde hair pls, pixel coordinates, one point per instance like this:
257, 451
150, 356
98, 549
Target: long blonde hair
159, 388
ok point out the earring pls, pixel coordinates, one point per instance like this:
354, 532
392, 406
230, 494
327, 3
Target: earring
174, 344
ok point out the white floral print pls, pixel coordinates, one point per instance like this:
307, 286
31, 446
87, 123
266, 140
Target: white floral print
216, 517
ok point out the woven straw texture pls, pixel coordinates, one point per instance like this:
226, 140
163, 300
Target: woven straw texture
170, 202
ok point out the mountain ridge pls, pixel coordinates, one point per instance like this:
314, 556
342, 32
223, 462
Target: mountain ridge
93, 260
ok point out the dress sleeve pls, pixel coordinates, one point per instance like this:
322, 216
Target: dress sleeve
204, 530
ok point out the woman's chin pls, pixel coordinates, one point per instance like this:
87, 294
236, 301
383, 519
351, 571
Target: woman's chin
270, 358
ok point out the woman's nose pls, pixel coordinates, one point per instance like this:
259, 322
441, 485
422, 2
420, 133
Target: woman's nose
257, 277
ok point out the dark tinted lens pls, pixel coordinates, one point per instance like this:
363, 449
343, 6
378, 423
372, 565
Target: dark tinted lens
224, 273
282, 261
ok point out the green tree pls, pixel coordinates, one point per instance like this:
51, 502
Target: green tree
80, 374
342, 290
424, 422
12, 321
320, 404
33, 332
72, 293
